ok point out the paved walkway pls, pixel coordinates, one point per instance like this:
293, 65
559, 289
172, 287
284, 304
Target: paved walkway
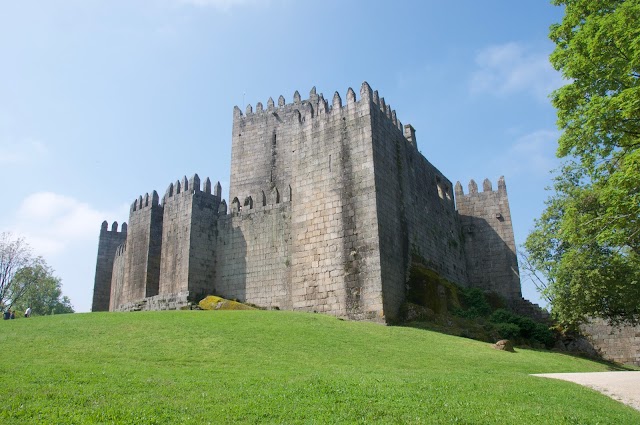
621, 386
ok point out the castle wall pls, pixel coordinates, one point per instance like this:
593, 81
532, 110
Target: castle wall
621, 344
253, 258
323, 153
118, 278
107, 246
188, 238
489, 243
416, 213
331, 204
144, 243
202, 247
261, 150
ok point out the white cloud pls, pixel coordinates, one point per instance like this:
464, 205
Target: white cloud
222, 4
512, 68
22, 153
65, 232
532, 155
52, 222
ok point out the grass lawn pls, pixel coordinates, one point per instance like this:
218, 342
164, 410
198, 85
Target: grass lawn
277, 367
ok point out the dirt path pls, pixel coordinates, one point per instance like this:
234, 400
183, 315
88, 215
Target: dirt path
621, 386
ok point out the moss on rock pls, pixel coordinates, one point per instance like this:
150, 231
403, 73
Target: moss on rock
212, 302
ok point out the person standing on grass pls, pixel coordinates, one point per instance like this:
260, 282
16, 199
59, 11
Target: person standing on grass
13, 314
27, 313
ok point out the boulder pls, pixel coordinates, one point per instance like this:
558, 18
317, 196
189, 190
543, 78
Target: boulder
504, 345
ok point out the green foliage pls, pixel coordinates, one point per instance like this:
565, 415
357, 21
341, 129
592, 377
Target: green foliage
41, 291
507, 330
520, 327
474, 303
26, 280
587, 243
278, 367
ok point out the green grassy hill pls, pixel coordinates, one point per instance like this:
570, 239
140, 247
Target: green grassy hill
277, 367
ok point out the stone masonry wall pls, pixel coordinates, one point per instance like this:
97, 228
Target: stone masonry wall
107, 245
416, 212
252, 259
118, 278
188, 238
489, 243
202, 247
144, 240
322, 155
620, 344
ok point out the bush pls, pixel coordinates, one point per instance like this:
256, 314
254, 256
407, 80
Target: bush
507, 330
502, 316
475, 302
543, 334
528, 328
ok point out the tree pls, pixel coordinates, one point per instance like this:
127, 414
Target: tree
27, 281
587, 241
42, 291
15, 255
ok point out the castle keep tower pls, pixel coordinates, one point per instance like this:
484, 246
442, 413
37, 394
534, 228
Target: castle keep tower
331, 204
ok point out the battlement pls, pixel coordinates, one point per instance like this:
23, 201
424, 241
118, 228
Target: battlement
191, 186
145, 202
487, 187
263, 201
104, 228
316, 106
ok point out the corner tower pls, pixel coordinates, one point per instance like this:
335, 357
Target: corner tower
138, 263
188, 237
489, 243
108, 244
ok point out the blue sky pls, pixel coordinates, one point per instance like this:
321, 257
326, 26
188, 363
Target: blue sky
102, 101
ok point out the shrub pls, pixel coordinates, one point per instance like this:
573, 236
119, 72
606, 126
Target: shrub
543, 334
475, 302
528, 328
502, 316
507, 330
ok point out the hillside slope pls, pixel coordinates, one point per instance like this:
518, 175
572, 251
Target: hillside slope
277, 367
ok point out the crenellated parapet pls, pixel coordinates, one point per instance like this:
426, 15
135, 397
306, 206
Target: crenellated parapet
192, 187
104, 228
145, 202
487, 187
317, 106
263, 200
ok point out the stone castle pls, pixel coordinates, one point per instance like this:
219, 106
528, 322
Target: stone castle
331, 205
